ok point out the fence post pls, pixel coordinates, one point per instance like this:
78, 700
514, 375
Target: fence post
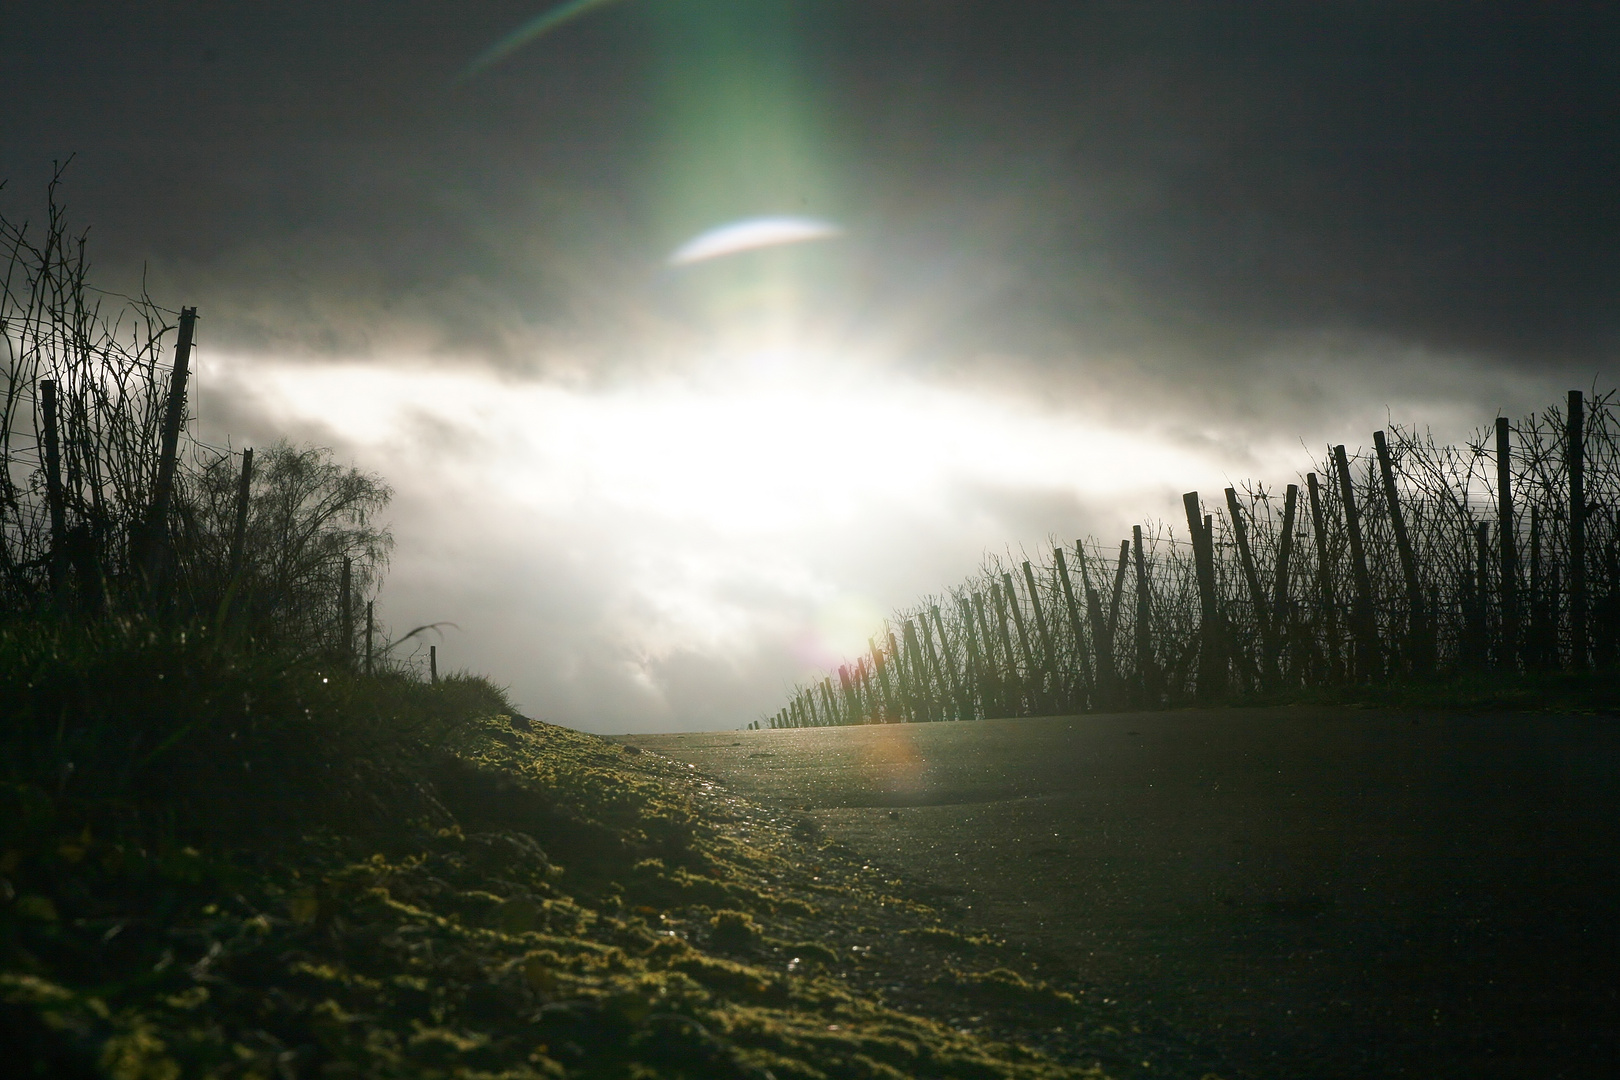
55, 501
244, 486
1146, 676
852, 711
1326, 596
1257, 600
992, 681
924, 695
1077, 627
433, 664
977, 675
1507, 537
905, 707
1211, 662
173, 417
1031, 682
371, 623
1420, 639
1042, 632
1281, 624
1102, 634
1362, 621
886, 701
1575, 464
946, 663
1014, 683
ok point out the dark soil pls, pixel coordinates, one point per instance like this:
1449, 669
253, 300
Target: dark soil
1299, 892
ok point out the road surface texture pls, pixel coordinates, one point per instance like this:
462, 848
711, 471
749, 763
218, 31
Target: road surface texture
1307, 892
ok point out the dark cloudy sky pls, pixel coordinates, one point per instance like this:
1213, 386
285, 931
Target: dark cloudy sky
1094, 255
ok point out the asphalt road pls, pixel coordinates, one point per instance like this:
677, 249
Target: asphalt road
1316, 893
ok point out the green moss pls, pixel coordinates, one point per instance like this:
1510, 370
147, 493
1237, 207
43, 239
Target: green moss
444, 893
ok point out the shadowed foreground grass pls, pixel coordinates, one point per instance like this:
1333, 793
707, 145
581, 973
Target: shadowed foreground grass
220, 862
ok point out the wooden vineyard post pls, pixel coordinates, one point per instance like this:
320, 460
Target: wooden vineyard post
905, 686
1575, 465
829, 703
156, 540
1146, 682
1507, 541
244, 486
1111, 632
1482, 589
992, 680
1031, 681
1101, 635
1119, 589
371, 624
1363, 626
1325, 594
1076, 627
977, 675
346, 610
1014, 683
925, 697
54, 498
1045, 635
852, 709
1419, 635
1211, 656
886, 704
433, 665
945, 664
1257, 600
1531, 648
1281, 624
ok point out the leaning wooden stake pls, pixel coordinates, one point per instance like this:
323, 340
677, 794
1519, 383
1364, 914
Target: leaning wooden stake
433, 664
924, 696
1032, 677
1076, 627
1575, 465
1146, 672
992, 680
889, 711
1102, 635
1281, 624
1014, 682
173, 418
1326, 596
977, 675
1362, 621
1211, 657
1507, 542
371, 624
1419, 634
852, 707
1044, 634
1251, 577
958, 678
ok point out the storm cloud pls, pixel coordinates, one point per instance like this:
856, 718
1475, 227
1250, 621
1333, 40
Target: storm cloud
1226, 229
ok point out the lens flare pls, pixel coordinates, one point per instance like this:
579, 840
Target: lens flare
750, 234
535, 28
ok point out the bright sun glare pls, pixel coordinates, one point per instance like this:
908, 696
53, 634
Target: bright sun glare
760, 465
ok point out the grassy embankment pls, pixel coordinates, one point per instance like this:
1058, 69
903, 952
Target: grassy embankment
221, 862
